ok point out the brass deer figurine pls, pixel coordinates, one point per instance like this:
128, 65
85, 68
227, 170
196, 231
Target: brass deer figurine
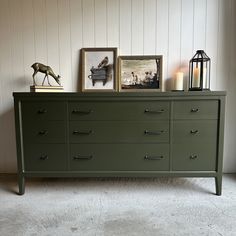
47, 70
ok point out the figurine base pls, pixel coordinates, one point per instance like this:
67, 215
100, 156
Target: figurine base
46, 89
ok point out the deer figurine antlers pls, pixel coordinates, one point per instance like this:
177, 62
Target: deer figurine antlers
47, 70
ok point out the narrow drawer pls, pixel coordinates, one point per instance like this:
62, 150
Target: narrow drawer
36, 111
201, 109
45, 157
119, 157
194, 132
194, 157
45, 132
119, 110
119, 132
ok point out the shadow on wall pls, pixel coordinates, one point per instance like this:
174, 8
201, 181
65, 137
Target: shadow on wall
167, 84
226, 81
7, 142
79, 72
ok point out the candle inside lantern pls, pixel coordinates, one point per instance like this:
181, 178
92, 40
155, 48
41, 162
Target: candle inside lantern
178, 82
196, 77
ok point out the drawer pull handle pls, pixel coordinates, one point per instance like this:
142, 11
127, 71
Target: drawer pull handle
42, 111
77, 132
153, 132
194, 110
154, 111
44, 157
194, 131
43, 132
153, 157
192, 157
81, 112
80, 157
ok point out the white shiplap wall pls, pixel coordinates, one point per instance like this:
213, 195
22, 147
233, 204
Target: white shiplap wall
53, 31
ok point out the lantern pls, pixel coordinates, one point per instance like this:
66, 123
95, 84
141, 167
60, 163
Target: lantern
199, 72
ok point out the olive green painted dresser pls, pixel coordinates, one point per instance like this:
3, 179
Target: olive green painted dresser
120, 135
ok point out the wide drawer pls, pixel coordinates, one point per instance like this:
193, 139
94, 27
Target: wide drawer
118, 131
45, 132
36, 111
200, 109
119, 157
194, 132
45, 157
139, 110
194, 157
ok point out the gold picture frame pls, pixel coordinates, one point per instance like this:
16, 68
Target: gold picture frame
99, 69
140, 73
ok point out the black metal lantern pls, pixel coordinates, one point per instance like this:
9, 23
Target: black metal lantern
199, 72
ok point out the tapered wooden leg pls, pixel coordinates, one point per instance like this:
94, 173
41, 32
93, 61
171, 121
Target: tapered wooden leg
218, 182
21, 184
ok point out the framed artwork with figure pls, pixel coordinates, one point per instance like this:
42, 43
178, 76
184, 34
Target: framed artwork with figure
98, 69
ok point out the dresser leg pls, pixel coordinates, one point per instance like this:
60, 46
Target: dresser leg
21, 184
218, 182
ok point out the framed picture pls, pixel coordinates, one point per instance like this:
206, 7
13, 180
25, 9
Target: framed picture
98, 69
140, 73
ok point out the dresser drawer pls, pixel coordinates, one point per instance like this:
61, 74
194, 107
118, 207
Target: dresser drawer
119, 157
45, 157
119, 131
194, 157
194, 132
36, 111
201, 109
45, 132
119, 110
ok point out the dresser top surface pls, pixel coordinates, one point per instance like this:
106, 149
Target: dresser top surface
120, 94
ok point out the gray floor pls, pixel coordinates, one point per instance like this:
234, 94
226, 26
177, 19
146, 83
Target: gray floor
115, 207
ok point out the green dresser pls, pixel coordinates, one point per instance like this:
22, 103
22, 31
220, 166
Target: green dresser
178, 134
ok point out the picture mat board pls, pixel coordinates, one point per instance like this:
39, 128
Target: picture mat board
92, 59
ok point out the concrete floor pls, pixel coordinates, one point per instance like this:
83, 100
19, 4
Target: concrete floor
117, 207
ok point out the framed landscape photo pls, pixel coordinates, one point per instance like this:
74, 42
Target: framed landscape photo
140, 73
98, 69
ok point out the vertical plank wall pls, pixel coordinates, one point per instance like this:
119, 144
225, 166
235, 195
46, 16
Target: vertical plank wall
53, 31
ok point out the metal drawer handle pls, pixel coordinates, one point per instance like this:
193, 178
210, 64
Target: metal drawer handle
77, 132
44, 157
154, 111
43, 132
153, 157
42, 111
81, 157
194, 110
81, 112
192, 157
194, 131
153, 132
